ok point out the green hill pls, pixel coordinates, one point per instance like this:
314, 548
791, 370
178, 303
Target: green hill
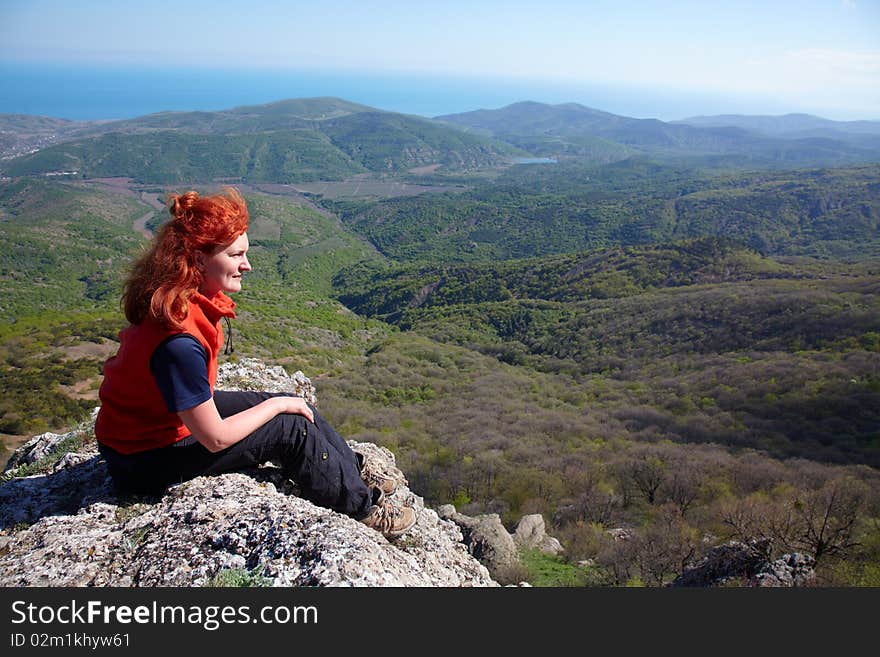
32, 124
289, 141
291, 114
314, 109
385, 142
168, 157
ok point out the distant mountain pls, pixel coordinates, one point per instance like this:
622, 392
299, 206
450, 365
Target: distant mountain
21, 134
574, 120
787, 125
281, 115
32, 124
288, 141
308, 139
316, 109
571, 128
531, 118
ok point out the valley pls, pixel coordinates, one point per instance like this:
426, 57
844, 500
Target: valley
673, 329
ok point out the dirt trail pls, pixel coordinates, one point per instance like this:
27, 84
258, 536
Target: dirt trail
128, 187
140, 224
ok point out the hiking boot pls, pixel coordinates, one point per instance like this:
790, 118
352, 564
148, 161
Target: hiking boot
389, 519
373, 477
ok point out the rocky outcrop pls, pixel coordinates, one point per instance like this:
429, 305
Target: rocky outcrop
748, 562
487, 540
254, 374
62, 524
789, 570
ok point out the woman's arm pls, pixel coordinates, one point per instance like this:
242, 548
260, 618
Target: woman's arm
216, 433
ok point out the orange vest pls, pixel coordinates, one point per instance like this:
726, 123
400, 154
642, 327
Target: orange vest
133, 416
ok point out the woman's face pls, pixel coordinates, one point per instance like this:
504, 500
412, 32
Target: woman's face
222, 269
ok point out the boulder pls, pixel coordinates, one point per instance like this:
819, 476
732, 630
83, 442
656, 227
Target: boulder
487, 540
531, 533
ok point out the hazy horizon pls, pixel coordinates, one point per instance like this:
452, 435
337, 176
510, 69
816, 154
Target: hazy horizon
101, 93
647, 59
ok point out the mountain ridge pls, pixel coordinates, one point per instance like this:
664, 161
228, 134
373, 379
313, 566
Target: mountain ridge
521, 123
297, 140
792, 123
394, 142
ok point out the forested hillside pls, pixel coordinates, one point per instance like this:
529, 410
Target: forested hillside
544, 209
713, 342
621, 341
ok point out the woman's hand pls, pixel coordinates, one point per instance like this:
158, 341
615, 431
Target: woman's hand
296, 406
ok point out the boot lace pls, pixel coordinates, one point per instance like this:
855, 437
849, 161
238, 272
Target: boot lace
385, 517
373, 478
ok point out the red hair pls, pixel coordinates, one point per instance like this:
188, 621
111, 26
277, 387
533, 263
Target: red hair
164, 278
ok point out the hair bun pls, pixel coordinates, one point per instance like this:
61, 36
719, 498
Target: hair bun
180, 205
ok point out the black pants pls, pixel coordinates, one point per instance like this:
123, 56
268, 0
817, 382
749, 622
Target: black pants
312, 454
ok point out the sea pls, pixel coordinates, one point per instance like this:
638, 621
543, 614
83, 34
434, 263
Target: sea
80, 92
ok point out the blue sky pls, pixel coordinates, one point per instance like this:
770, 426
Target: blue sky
805, 55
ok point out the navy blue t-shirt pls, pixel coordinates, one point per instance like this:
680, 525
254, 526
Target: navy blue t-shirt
180, 367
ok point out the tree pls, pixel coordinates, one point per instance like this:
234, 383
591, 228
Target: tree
648, 473
683, 487
828, 517
820, 522
666, 547
747, 518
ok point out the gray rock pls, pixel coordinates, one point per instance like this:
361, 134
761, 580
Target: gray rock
66, 527
789, 570
446, 511
254, 374
41, 446
531, 533
732, 560
488, 541
750, 563
35, 449
621, 533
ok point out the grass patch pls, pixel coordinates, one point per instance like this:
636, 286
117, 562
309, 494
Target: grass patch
71, 443
238, 577
546, 570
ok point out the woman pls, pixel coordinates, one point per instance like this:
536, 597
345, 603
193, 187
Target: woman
161, 422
